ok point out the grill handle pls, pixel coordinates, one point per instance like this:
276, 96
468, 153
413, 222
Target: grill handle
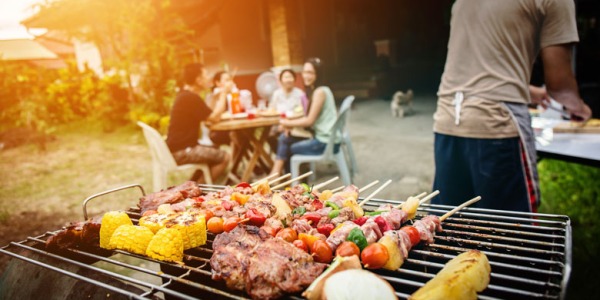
85, 215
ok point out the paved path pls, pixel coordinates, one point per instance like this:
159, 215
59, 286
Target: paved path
391, 148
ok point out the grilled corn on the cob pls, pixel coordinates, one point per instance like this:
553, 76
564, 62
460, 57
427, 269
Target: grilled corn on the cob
131, 238
156, 221
192, 227
167, 245
110, 222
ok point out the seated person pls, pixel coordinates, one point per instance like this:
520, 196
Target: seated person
288, 99
321, 117
188, 111
220, 79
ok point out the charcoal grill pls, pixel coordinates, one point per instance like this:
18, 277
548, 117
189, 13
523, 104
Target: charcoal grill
530, 255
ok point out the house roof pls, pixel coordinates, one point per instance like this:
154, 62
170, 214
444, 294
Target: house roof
24, 49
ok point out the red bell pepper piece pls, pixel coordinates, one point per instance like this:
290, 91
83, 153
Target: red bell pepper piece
256, 218
382, 223
243, 185
312, 217
325, 229
360, 221
317, 204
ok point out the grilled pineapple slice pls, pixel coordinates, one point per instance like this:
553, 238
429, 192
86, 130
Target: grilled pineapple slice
110, 222
395, 259
461, 278
283, 209
134, 239
356, 209
410, 207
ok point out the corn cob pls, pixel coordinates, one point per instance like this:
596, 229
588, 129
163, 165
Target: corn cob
131, 238
156, 221
167, 245
110, 222
192, 227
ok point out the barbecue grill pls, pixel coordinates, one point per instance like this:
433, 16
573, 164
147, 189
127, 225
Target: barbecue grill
530, 256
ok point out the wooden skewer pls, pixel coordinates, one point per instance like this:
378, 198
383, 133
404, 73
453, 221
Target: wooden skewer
417, 196
428, 197
292, 180
368, 186
280, 178
450, 213
337, 189
375, 192
420, 195
263, 180
320, 185
244, 220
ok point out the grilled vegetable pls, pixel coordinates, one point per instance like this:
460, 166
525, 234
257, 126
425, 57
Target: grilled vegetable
192, 228
131, 238
347, 248
395, 259
239, 198
110, 222
283, 209
357, 284
325, 195
167, 245
288, 234
315, 290
357, 210
215, 225
461, 278
358, 237
156, 221
308, 239
321, 252
263, 188
374, 256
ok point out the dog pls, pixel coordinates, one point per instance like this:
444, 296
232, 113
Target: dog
401, 103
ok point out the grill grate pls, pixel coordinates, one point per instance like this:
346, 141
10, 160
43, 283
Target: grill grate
530, 255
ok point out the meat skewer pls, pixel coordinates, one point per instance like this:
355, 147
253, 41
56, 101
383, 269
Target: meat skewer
375, 192
292, 180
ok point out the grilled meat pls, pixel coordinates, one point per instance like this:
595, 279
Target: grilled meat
77, 234
171, 195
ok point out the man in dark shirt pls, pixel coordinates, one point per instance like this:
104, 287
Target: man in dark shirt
188, 111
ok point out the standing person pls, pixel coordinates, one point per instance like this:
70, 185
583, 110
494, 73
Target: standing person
321, 117
188, 111
484, 143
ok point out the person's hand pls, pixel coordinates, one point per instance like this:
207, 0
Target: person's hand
227, 87
539, 96
582, 114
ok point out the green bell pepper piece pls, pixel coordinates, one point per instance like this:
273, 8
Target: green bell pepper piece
300, 210
334, 213
358, 237
332, 205
374, 213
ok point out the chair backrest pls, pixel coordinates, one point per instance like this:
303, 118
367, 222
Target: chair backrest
337, 131
158, 147
346, 105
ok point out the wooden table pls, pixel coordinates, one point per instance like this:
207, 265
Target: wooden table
246, 138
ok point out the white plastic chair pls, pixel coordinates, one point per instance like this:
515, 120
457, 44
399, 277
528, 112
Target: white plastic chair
163, 161
328, 155
346, 141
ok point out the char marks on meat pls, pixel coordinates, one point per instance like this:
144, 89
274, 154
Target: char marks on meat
172, 195
340, 235
427, 227
247, 258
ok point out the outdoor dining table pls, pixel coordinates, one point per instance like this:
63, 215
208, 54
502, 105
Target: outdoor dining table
247, 134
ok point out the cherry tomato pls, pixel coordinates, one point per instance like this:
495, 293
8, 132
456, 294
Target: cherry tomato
413, 234
243, 185
347, 248
301, 245
215, 225
321, 252
230, 223
207, 214
270, 230
288, 234
374, 256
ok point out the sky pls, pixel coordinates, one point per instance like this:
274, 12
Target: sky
11, 13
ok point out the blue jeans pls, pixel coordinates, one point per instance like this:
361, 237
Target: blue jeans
289, 145
490, 168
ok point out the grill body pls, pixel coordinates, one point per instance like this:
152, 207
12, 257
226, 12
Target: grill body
530, 256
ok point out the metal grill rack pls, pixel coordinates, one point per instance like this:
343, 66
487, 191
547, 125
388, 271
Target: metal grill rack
530, 256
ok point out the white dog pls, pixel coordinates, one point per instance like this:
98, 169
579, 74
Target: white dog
401, 103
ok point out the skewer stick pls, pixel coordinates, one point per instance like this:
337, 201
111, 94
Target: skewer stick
263, 180
375, 192
320, 185
280, 178
435, 193
420, 195
450, 213
292, 180
337, 189
368, 186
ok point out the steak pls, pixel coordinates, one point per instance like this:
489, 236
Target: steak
171, 195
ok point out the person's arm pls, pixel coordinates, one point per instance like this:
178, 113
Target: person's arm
318, 100
560, 80
220, 104
539, 95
